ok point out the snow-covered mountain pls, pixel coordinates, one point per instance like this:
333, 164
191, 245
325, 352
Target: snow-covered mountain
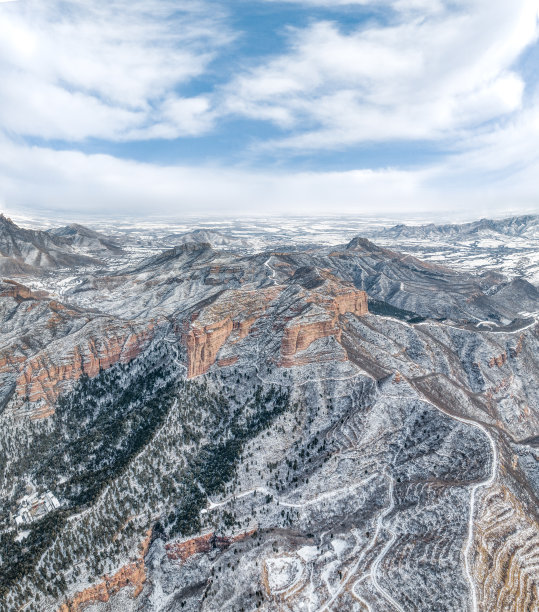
524, 226
509, 246
27, 251
339, 427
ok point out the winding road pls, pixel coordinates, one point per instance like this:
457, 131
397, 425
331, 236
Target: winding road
485, 483
266, 263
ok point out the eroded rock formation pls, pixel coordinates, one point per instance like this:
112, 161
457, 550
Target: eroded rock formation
45, 345
131, 575
43, 377
182, 551
326, 301
506, 555
231, 316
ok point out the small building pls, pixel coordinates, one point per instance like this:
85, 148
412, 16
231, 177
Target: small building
32, 507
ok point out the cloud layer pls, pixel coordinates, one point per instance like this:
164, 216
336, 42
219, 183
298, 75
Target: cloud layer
421, 78
343, 75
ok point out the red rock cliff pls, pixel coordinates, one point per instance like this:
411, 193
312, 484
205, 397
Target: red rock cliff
48, 345
43, 376
131, 575
299, 336
230, 317
203, 344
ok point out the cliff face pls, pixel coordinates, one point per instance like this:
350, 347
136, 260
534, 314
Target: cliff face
181, 551
45, 346
44, 376
301, 311
329, 300
299, 337
203, 343
131, 575
229, 318
10, 288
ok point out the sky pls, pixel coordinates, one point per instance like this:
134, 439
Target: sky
193, 107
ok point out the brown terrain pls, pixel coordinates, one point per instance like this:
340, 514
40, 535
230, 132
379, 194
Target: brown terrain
131, 575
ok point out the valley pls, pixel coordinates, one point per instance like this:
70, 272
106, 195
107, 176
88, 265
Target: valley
257, 417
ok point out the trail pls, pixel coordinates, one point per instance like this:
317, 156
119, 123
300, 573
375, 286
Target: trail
389, 543
353, 569
281, 502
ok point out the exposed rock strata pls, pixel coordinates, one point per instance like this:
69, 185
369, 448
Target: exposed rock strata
326, 302
131, 575
234, 311
182, 551
506, 564
45, 345
43, 378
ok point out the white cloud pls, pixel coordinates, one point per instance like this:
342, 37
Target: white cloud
399, 5
441, 71
77, 69
425, 77
78, 184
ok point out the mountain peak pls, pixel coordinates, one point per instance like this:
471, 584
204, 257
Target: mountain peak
7, 222
363, 244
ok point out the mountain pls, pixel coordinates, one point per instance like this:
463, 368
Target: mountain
24, 251
212, 237
508, 246
88, 240
339, 428
523, 226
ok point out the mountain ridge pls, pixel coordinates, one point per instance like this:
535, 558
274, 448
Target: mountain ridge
286, 429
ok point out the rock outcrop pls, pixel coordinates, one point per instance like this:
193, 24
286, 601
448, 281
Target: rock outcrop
506, 554
131, 575
230, 316
45, 345
310, 305
181, 551
203, 343
43, 377
498, 361
326, 299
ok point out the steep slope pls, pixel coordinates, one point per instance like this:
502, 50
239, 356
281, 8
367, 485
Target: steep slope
24, 251
334, 429
45, 346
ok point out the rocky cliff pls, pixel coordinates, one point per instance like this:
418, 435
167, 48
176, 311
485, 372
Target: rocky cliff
46, 346
341, 428
229, 317
49, 373
132, 575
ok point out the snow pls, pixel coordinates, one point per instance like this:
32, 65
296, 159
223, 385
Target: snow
339, 546
22, 536
308, 553
283, 573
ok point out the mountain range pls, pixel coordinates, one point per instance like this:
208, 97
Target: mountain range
339, 427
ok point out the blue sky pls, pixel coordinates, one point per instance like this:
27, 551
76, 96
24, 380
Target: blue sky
180, 107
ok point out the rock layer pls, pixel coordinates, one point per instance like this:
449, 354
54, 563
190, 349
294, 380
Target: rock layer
131, 575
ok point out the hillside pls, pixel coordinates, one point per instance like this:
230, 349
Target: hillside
334, 428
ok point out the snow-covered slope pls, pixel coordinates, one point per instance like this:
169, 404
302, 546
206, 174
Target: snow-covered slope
339, 427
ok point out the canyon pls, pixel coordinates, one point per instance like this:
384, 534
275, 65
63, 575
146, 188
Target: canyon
327, 427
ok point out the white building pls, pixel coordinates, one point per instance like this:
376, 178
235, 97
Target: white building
32, 508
